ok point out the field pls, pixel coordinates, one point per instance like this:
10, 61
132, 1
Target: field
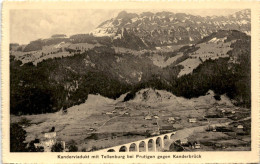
101, 122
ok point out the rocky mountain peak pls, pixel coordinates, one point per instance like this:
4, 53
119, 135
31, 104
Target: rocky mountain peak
167, 28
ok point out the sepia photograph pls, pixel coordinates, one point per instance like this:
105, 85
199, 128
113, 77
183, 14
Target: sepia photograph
110, 80
147, 81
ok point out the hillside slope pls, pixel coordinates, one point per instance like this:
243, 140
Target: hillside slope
58, 83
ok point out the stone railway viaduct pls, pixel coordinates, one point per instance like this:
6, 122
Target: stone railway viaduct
152, 144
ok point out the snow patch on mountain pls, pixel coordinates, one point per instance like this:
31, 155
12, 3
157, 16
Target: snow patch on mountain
215, 40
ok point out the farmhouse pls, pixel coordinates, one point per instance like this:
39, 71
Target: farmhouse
171, 119
177, 118
192, 120
119, 107
184, 141
197, 145
48, 141
153, 132
50, 135
167, 129
240, 127
148, 118
126, 113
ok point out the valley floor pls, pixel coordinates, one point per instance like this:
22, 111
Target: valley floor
101, 122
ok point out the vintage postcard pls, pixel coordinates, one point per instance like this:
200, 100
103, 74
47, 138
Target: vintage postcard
130, 82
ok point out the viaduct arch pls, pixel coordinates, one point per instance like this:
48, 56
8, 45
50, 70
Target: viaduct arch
151, 144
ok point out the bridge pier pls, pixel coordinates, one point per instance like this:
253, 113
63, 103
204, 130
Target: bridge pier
146, 146
137, 146
162, 143
154, 146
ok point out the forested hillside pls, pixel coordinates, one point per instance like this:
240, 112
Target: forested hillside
59, 83
53, 85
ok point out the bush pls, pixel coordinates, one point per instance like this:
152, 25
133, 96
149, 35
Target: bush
83, 149
57, 147
217, 97
24, 121
93, 136
32, 148
72, 146
94, 148
17, 138
129, 96
176, 147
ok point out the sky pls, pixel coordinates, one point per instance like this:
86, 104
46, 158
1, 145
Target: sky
29, 25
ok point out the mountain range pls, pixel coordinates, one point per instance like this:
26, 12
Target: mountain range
165, 28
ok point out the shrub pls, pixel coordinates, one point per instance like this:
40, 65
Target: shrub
32, 148
57, 147
175, 147
17, 138
72, 146
83, 149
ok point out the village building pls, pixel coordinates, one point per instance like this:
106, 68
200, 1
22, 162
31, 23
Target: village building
192, 120
218, 145
240, 127
197, 145
177, 118
148, 118
113, 137
155, 133
184, 141
126, 113
50, 135
223, 110
145, 126
48, 141
119, 107
121, 112
168, 128
171, 119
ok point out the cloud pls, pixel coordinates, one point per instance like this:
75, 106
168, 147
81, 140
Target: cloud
28, 25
